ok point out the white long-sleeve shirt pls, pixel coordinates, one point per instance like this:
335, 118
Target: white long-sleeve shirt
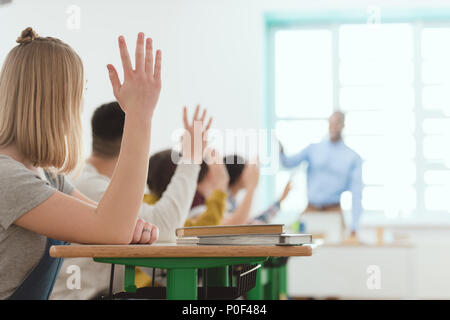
169, 213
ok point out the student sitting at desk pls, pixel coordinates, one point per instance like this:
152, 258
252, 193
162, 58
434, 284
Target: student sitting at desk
212, 185
168, 214
41, 94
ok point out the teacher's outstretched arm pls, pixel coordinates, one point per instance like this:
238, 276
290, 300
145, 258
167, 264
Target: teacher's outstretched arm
294, 160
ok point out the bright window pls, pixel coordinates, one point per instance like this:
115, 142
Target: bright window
393, 82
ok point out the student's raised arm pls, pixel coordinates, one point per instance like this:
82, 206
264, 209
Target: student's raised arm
170, 212
242, 212
113, 221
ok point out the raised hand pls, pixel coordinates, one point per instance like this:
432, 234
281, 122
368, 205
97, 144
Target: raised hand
250, 176
217, 171
194, 139
139, 92
217, 177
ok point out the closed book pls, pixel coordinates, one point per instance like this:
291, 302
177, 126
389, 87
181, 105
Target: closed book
232, 229
249, 239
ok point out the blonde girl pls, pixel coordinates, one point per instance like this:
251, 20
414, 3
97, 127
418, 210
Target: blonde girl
41, 89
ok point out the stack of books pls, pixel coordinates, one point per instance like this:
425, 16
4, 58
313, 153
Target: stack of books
250, 235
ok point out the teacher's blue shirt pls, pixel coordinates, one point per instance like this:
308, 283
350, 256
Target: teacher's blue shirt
332, 169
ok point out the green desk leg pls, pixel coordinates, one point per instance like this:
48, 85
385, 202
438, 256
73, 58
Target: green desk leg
276, 286
181, 284
271, 289
283, 282
218, 277
129, 280
257, 292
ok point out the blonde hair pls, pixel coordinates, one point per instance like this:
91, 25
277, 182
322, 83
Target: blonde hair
41, 90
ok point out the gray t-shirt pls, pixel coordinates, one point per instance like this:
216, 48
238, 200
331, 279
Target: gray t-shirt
20, 249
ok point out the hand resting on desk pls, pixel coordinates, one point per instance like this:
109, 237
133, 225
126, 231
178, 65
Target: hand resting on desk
145, 232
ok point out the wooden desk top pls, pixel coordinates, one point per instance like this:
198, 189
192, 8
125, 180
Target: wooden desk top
176, 251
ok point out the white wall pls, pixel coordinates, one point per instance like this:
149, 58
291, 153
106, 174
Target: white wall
212, 49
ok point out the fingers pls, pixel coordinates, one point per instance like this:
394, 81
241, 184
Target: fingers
149, 56
195, 118
138, 231
143, 56
146, 233
209, 124
126, 61
157, 73
155, 234
203, 115
197, 109
114, 78
185, 119
139, 54
150, 233
205, 133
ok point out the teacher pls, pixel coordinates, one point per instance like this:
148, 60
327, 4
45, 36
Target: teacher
332, 169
